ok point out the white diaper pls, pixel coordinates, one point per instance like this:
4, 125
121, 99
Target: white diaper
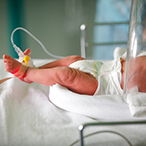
108, 74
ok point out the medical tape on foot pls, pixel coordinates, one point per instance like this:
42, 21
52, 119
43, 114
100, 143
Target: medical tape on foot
21, 71
18, 74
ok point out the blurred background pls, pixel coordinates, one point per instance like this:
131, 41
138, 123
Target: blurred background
56, 23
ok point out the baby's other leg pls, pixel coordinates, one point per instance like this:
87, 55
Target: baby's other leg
66, 61
27, 52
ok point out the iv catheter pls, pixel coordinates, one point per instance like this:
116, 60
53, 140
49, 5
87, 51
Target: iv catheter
21, 55
18, 50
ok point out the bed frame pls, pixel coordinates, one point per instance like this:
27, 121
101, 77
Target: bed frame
85, 43
83, 126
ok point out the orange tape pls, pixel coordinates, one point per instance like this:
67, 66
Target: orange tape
21, 71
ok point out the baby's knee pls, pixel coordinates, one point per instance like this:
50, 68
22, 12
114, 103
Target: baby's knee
71, 59
67, 75
76, 58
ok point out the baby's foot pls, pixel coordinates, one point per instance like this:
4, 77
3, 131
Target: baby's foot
13, 67
27, 52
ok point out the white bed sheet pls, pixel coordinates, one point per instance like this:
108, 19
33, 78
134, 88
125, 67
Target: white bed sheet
28, 118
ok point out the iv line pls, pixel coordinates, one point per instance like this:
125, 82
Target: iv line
20, 53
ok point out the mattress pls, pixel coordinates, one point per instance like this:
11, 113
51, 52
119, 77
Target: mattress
34, 115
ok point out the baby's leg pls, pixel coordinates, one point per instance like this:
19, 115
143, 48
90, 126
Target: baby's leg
73, 79
66, 61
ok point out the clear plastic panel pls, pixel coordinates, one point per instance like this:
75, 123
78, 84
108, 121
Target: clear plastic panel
135, 73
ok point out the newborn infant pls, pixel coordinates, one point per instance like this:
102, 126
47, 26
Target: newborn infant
82, 76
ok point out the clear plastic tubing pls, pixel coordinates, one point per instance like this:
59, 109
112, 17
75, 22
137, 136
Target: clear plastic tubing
18, 50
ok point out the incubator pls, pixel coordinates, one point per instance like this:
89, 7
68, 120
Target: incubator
136, 47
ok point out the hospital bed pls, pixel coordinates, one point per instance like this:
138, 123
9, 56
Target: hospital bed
34, 115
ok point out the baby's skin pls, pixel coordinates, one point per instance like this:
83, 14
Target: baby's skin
56, 72
137, 73
77, 81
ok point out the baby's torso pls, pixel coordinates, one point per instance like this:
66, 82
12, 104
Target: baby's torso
108, 74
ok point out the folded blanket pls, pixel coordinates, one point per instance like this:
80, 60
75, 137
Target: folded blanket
27, 118
137, 103
105, 107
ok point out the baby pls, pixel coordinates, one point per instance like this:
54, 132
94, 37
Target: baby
79, 75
